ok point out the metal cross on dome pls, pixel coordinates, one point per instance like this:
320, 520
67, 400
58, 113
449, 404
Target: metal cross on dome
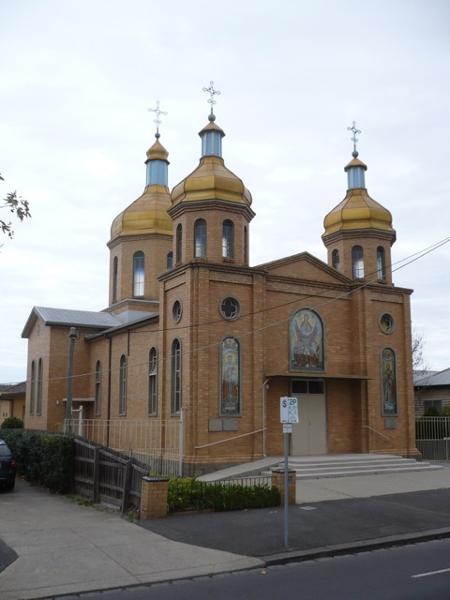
212, 92
354, 139
158, 112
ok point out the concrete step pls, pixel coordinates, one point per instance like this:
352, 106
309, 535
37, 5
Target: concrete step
375, 471
349, 465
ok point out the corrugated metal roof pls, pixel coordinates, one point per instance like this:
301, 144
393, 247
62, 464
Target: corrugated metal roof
100, 320
433, 378
76, 317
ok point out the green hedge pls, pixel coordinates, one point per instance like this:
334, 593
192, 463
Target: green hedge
186, 493
43, 458
12, 423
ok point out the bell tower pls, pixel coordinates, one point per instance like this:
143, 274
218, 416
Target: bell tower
211, 207
141, 238
358, 231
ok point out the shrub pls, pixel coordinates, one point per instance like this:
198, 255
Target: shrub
43, 458
12, 423
186, 493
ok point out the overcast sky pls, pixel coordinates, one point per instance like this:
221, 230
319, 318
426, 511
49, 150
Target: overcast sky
78, 76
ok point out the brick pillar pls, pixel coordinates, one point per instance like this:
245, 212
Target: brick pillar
278, 482
154, 498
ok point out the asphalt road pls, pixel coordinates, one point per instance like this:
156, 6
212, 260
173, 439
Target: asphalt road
416, 572
259, 532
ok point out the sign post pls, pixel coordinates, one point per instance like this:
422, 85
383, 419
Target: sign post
288, 415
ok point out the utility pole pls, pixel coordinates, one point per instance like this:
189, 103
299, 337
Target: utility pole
72, 337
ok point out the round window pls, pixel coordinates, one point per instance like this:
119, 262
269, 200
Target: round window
177, 311
229, 308
386, 323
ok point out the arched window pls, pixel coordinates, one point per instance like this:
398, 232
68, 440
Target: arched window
245, 245
138, 274
176, 377
114, 282
335, 259
230, 378
357, 262
228, 239
169, 260
153, 382
381, 264
123, 385
39, 389
200, 238
306, 341
98, 389
32, 387
178, 243
389, 382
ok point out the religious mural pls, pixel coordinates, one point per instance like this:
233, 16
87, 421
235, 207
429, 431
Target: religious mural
389, 382
306, 341
230, 404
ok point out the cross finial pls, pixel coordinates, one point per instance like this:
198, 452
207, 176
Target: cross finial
158, 112
212, 92
354, 139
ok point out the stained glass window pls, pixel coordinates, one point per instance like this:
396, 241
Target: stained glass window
389, 382
306, 341
230, 378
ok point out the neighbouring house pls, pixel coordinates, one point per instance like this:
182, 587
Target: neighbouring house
431, 391
12, 401
194, 333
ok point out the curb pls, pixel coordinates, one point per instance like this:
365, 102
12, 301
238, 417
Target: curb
355, 547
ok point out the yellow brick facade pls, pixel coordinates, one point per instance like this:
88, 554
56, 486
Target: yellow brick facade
268, 295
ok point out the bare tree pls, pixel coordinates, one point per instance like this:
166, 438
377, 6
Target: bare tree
17, 206
417, 352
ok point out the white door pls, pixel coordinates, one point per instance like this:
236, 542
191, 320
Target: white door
309, 435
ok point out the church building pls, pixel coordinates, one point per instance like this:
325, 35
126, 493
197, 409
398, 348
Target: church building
194, 335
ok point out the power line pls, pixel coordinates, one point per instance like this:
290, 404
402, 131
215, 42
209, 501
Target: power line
160, 359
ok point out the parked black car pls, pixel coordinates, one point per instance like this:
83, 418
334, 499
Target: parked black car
8, 467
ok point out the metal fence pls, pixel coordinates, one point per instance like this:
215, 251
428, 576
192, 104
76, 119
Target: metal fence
433, 437
156, 443
103, 476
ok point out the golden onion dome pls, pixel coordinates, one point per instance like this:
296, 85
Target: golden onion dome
357, 210
148, 214
211, 180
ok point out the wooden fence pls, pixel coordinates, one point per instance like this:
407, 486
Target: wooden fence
102, 475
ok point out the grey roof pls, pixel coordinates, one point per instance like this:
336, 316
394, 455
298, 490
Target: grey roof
100, 320
70, 318
124, 325
18, 388
433, 378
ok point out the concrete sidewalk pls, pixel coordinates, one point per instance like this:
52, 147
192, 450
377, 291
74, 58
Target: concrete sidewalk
65, 548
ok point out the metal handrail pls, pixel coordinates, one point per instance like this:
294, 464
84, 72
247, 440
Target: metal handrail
387, 437
235, 437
